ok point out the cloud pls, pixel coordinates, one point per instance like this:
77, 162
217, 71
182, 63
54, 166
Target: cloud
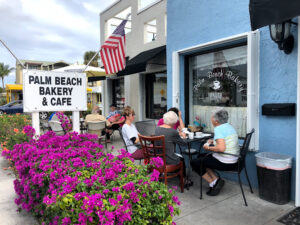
50, 30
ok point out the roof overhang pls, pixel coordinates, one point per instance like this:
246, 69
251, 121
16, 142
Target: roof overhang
14, 87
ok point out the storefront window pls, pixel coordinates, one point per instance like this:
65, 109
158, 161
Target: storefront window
118, 93
156, 95
219, 79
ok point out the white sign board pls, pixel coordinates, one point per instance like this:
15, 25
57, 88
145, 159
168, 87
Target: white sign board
54, 91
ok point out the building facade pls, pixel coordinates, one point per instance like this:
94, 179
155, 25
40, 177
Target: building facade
37, 65
143, 83
215, 60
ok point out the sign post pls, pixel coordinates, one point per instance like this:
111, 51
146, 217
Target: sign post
47, 91
36, 122
75, 121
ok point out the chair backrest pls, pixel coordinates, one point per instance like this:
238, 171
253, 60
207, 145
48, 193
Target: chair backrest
96, 126
121, 135
245, 147
146, 127
56, 127
153, 146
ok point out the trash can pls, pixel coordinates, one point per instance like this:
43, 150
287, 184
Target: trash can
274, 177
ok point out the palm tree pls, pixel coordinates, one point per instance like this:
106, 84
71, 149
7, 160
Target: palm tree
87, 57
4, 71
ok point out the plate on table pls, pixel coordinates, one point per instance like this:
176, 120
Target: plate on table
203, 135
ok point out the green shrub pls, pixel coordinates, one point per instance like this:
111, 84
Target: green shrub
11, 130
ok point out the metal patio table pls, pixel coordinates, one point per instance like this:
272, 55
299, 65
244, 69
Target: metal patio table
190, 153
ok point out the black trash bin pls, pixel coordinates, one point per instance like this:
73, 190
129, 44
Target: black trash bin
274, 177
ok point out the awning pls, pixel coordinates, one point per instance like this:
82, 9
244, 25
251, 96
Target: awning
267, 12
138, 63
94, 76
93, 73
14, 87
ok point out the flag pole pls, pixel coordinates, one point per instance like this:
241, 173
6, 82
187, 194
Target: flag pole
12, 53
91, 60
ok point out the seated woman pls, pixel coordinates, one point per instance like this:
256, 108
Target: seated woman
114, 121
171, 137
179, 123
226, 140
130, 134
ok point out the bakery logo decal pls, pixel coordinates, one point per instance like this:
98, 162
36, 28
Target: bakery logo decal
216, 84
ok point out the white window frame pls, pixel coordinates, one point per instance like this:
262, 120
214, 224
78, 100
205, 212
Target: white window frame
297, 188
252, 77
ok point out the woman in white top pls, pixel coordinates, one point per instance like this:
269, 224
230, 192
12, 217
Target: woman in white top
130, 134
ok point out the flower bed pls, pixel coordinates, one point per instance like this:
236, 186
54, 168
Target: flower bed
11, 127
70, 180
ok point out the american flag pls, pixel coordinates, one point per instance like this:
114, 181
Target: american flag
113, 50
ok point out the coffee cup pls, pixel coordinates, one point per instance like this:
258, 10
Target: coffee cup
191, 135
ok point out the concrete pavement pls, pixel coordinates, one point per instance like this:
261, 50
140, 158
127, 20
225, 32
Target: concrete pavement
9, 214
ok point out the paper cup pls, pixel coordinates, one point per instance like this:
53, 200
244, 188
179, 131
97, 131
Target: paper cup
191, 135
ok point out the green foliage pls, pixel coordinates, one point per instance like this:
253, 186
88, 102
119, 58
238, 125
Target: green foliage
4, 71
3, 101
11, 130
88, 56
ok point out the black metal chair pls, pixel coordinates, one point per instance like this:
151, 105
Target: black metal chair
241, 164
146, 127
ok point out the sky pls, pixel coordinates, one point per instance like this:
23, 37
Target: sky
49, 30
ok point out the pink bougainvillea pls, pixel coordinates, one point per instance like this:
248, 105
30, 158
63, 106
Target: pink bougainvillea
70, 180
65, 122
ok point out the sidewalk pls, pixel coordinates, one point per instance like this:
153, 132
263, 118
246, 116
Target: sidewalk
228, 207
8, 208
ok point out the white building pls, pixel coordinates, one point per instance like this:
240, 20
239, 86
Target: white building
143, 83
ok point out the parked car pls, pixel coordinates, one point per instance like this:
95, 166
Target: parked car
17, 107
12, 107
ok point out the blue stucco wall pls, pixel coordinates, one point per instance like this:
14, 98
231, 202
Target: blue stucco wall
196, 22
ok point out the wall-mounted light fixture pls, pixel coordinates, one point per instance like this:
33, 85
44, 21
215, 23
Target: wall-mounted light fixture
280, 33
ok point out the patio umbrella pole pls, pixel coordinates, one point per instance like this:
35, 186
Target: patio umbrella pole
12, 53
91, 60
